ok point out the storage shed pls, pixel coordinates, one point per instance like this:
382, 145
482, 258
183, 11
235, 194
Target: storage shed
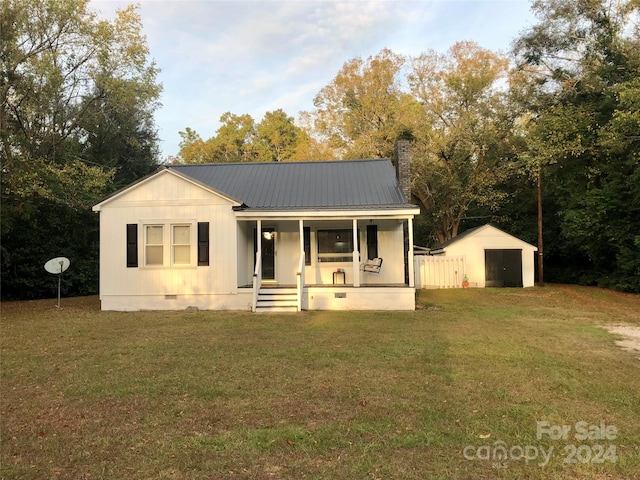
492, 257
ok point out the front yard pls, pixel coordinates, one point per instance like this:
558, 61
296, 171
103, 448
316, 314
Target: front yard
476, 384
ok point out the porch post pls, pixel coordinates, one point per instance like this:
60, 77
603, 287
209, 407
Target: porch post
356, 255
301, 264
301, 232
259, 236
257, 268
412, 281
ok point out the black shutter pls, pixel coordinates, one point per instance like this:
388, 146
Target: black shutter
306, 231
372, 242
203, 243
132, 245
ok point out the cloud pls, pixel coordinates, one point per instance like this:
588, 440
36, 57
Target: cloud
257, 56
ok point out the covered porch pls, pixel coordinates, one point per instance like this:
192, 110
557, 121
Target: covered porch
316, 261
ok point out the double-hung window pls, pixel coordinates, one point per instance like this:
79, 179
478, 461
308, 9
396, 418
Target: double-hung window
154, 245
181, 244
168, 244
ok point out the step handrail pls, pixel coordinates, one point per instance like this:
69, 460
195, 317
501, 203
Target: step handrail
257, 280
300, 280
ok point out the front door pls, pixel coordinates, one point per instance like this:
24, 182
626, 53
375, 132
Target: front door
268, 240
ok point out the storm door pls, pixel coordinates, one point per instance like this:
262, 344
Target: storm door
268, 239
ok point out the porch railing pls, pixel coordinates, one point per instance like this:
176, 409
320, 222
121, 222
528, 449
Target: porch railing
300, 281
257, 280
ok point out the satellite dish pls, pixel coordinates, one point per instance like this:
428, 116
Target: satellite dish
57, 266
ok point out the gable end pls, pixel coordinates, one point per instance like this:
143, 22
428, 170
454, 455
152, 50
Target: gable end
164, 185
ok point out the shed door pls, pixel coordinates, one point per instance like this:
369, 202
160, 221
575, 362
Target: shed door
503, 268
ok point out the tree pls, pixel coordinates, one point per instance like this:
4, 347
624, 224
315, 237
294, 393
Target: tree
121, 135
193, 149
277, 137
462, 132
61, 67
585, 57
456, 111
74, 89
309, 148
359, 113
234, 140
238, 139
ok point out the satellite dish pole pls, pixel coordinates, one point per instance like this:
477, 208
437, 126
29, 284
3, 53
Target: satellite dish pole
57, 266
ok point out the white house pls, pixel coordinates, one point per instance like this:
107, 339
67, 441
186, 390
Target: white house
487, 256
260, 236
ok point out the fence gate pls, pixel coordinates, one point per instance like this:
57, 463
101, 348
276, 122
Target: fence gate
438, 271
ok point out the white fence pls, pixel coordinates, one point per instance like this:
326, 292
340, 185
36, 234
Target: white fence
438, 271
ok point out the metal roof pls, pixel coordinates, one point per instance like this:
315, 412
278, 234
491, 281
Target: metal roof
439, 248
364, 184
458, 237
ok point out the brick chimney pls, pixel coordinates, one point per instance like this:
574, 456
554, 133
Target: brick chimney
402, 155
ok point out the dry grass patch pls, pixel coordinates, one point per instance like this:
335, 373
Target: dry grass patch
200, 395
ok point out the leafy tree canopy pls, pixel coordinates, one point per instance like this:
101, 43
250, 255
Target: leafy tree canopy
239, 139
76, 121
462, 130
359, 113
583, 133
452, 105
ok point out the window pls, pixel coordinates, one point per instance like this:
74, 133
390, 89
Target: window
154, 240
168, 244
335, 245
181, 244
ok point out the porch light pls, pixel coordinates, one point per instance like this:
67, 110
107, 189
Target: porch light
268, 235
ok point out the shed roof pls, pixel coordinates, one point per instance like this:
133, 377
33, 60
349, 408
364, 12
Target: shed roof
457, 238
344, 184
472, 231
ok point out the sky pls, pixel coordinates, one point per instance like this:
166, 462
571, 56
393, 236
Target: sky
258, 56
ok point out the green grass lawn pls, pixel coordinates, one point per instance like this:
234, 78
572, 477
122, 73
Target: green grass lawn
429, 394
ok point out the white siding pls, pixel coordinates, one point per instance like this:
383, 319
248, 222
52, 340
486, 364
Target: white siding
166, 199
288, 252
390, 249
363, 298
245, 253
240, 301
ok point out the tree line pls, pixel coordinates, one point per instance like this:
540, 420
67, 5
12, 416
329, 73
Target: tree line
78, 96
542, 139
